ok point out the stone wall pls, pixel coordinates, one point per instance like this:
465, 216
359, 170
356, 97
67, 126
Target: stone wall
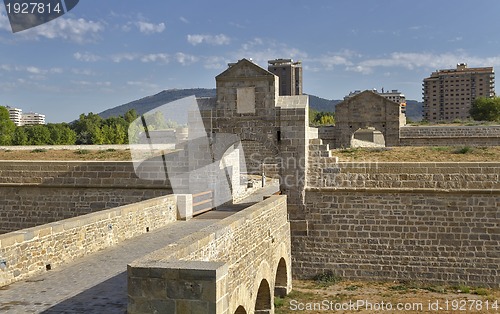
36, 193
27, 252
326, 172
450, 135
219, 268
431, 222
327, 134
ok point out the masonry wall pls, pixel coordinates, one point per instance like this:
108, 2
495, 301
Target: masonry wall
36, 193
218, 268
451, 135
27, 252
431, 222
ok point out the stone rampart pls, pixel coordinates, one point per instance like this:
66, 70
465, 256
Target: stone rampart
430, 222
325, 172
38, 192
450, 135
229, 265
27, 252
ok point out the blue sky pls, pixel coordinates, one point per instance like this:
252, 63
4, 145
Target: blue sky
106, 53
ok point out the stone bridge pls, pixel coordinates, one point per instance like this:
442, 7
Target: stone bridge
175, 264
233, 266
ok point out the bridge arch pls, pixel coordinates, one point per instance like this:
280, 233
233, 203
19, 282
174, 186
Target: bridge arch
263, 303
240, 310
281, 279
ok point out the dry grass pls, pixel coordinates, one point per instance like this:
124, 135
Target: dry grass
394, 154
310, 292
420, 154
41, 154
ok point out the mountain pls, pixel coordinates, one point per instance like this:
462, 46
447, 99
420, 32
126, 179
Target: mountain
143, 105
148, 103
414, 110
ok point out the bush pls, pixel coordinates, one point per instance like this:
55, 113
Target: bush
82, 152
463, 150
327, 278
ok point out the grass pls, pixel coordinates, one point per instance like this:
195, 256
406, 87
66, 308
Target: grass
311, 293
82, 152
463, 150
327, 279
39, 150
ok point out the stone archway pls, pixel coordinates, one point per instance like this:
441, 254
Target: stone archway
367, 137
281, 281
240, 310
368, 109
263, 301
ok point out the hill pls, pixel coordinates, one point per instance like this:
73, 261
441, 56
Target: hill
143, 105
148, 103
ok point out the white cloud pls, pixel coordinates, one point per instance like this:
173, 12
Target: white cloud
124, 57
217, 40
150, 28
143, 86
184, 20
185, 59
76, 30
86, 57
4, 20
156, 57
262, 50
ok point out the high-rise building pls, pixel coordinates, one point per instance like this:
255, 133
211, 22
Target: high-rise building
33, 118
449, 94
15, 115
394, 95
290, 75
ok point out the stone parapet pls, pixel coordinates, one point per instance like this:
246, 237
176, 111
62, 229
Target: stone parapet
27, 252
202, 273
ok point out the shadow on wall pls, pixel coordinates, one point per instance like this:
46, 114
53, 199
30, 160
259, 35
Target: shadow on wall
36, 193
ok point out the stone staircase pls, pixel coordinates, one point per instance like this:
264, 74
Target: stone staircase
322, 165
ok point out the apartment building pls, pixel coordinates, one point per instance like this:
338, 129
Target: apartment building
33, 118
15, 115
290, 76
448, 94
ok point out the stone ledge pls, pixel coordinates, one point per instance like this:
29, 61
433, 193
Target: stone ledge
396, 190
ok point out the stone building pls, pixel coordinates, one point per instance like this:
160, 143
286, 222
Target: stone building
368, 110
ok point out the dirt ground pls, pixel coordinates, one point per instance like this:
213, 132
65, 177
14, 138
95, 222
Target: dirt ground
371, 297
395, 154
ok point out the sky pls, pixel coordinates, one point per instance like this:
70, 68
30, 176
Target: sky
103, 54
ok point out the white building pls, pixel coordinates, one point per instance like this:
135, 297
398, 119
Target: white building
15, 115
33, 118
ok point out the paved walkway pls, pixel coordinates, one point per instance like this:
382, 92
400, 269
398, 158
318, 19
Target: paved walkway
98, 283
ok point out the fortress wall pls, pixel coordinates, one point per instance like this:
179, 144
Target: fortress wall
326, 172
450, 135
36, 193
224, 264
27, 252
433, 222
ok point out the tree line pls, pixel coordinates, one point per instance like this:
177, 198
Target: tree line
90, 129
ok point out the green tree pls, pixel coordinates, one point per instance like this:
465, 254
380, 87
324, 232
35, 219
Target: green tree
61, 134
20, 137
88, 129
317, 118
130, 115
486, 109
7, 127
37, 134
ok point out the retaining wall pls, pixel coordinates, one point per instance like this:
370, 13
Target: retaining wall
27, 252
431, 222
450, 135
39, 192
